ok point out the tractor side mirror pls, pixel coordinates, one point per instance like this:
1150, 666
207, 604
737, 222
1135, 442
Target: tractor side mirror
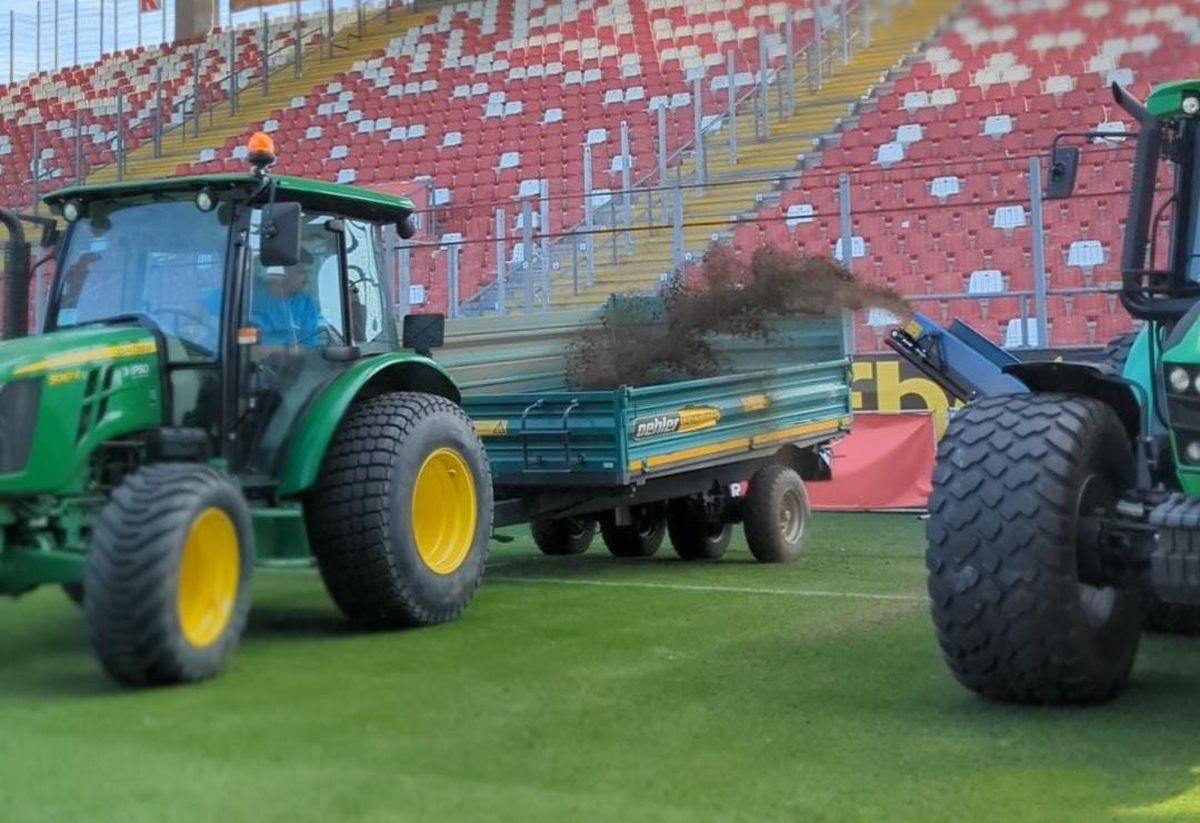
406, 228
424, 332
280, 244
1064, 163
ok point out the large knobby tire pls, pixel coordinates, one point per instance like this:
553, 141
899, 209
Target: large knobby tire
1024, 609
775, 514
642, 537
400, 518
167, 575
695, 535
562, 536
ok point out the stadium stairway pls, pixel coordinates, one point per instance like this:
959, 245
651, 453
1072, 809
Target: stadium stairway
254, 107
732, 190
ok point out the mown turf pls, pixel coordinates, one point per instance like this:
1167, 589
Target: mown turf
576, 701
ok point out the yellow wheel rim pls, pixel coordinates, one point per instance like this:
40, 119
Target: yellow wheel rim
209, 576
444, 511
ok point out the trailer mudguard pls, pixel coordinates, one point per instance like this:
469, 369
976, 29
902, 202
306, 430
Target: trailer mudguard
1085, 380
400, 371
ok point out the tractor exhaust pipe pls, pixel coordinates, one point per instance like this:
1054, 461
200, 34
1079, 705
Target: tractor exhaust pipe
16, 278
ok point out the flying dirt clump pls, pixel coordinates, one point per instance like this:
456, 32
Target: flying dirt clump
640, 342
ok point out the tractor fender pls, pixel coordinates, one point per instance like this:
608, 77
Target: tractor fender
1084, 380
367, 378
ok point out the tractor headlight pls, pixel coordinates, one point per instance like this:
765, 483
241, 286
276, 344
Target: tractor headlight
1193, 451
71, 211
205, 201
1179, 379
1191, 104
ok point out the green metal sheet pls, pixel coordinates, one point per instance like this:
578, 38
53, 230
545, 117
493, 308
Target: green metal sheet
790, 387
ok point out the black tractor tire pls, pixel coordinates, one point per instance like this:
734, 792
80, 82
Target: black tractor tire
695, 535
167, 575
74, 593
401, 515
640, 538
775, 515
1024, 609
563, 536
1161, 617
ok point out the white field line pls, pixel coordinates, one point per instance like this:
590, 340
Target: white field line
688, 587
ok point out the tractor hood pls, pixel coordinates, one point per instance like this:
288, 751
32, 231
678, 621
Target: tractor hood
65, 393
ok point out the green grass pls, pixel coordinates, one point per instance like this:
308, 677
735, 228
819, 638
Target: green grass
572, 701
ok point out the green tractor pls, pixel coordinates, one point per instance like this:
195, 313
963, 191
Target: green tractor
1061, 515
219, 385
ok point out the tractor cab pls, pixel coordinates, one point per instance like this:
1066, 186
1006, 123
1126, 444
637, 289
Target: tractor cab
255, 292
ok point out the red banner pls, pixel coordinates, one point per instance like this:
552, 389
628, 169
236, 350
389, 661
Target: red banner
886, 462
148, 5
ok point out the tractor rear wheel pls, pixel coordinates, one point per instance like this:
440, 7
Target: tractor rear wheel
562, 536
1027, 605
694, 533
167, 575
775, 514
401, 515
641, 537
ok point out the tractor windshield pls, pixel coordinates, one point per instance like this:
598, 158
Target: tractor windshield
160, 262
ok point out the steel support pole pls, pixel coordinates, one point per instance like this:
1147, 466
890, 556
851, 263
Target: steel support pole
762, 129
527, 256
329, 26
865, 7
846, 258
452, 272
662, 160
78, 147
100, 29
544, 234
37, 164
731, 73
297, 34
789, 40
1039, 249
266, 52
75, 33
37, 38
233, 75
814, 77
698, 130
501, 263
163, 41
404, 270
626, 187
844, 21
120, 138
589, 217
138, 17
362, 22
196, 94
158, 103
11, 47
116, 26
677, 225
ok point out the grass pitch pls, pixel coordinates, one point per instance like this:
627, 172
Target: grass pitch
593, 689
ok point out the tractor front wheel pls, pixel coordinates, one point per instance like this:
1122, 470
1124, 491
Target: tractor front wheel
1029, 602
167, 575
401, 516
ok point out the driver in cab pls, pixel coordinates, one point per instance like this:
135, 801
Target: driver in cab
283, 308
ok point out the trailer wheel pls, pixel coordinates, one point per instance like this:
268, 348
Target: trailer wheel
561, 536
167, 575
401, 515
694, 533
775, 515
1027, 607
641, 538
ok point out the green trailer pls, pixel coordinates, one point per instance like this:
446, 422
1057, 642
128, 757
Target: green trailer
685, 458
